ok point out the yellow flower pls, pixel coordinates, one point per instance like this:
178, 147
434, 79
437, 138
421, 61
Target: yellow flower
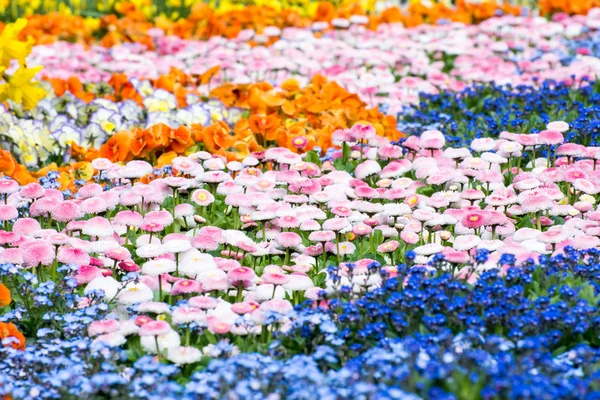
83, 170
10, 47
1, 72
92, 23
30, 159
21, 89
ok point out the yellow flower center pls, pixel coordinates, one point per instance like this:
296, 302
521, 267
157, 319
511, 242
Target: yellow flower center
107, 126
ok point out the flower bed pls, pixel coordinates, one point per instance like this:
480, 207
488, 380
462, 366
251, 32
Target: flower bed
379, 220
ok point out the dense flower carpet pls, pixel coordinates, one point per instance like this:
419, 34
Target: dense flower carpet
299, 200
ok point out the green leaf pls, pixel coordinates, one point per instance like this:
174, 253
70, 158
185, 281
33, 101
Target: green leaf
377, 237
339, 164
588, 294
559, 351
347, 166
313, 157
345, 152
425, 191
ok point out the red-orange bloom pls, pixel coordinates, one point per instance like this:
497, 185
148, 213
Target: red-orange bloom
7, 163
117, 147
265, 125
9, 330
5, 298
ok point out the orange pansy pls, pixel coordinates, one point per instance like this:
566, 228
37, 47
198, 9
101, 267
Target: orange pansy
265, 125
9, 330
7, 162
5, 297
117, 147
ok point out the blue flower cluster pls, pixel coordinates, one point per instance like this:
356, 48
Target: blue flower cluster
49, 309
558, 297
524, 332
485, 110
72, 369
528, 332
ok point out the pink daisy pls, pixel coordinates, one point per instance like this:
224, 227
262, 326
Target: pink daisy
161, 217
66, 211
288, 240
103, 327
8, 186
155, 328
128, 218
202, 197
8, 213
37, 252
205, 242
203, 302
32, 191
185, 286
241, 275
289, 221
70, 255
98, 227
94, 205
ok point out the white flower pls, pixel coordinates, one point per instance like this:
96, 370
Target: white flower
193, 262
177, 246
298, 282
560, 126
367, 168
151, 250
186, 315
491, 245
144, 239
395, 210
113, 339
158, 267
154, 307
466, 242
160, 101
166, 342
493, 158
265, 292
213, 351
184, 355
108, 284
429, 249
135, 293
100, 246
128, 327
222, 312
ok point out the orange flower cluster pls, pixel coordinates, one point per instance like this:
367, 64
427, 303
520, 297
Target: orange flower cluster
176, 82
203, 22
313, 112
293, 117
49, 28
68, 173
567, 6
9, 330
10, 167
140, 143
462, 11
5, 298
